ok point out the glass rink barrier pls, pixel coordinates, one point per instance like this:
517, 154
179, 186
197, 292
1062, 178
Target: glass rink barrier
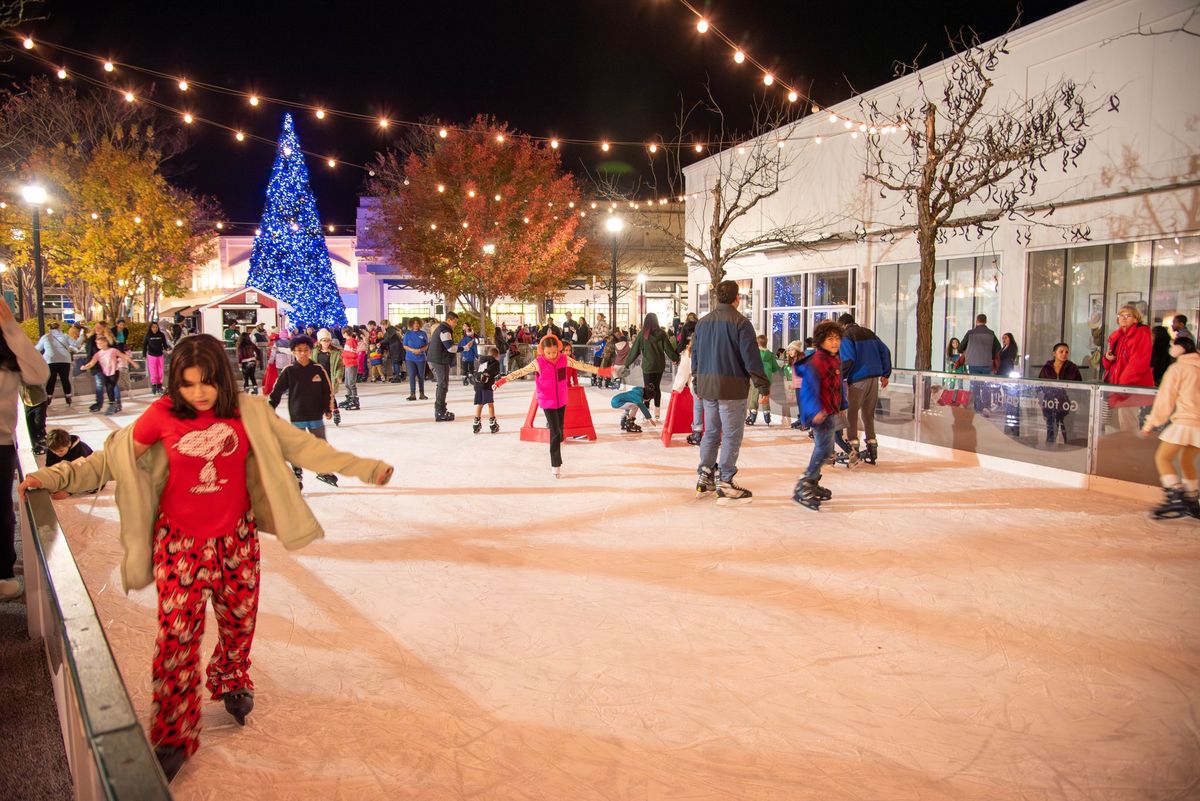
1082, 428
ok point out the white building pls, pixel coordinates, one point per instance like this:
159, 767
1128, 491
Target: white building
1137, 187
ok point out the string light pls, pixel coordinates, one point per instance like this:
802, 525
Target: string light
28, 43
443, 133
441, 187
95, 216
464, 224
817, 140
383, 123
699, 148
183, 86
129, 97
497, 199
653, 147
793, 96
604, 146
258, 232
188, 118
702, 25
239, 136
178, 223
433, 226
470, 192
833, 118
287, 150
768, 78
108, 66
499, 139
62, 74
331, 163
320, 114
848, 124
220, 226
739, 56
554, 144
137, 220
254, 100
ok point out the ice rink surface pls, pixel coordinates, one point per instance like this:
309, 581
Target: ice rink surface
478, 630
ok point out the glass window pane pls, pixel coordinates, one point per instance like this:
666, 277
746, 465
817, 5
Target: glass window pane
1083, 311
960, 298
746, 291
778, 333
831, 288
787, 290
909, 279
1128, 280
701, 299
1043, 309
794, 328
885, 305
1176, 281
987, 295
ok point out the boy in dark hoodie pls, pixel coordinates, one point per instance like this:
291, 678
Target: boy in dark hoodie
485, 377
62, 446
310, 397
822, 397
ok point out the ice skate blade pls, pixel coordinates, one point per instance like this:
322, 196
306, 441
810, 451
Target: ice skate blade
724, 500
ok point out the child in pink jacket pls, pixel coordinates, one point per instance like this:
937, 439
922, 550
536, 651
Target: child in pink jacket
551, 387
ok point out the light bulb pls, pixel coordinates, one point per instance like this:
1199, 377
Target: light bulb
526, 219
383, 123
854, 134
188, 118
470, 192
433, 226
464, 223
258, 232
331, 229
129, 97
220, 226
604, 146
108, 66
873, 131
862, 126
793, 96
62, 74
137, 220
571, 204
331, 163
702, 25
239, 136
781, 144
817, 140
183, 86
320, 114
739, 56
699, 148
741, 150
178, 223
28, 43
653, 147
254, 100
593, 204
497, 199
95, 216
441, 187
849, 125
554, 144
287, 150
768, 78
295, 227
816, 109
499, 139
443, 133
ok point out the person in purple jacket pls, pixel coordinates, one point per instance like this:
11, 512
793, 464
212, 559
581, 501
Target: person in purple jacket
551, 389
1056, 402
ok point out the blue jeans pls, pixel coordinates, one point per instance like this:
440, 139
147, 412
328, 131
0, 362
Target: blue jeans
315, 426
979, 390
822, 446
725, 422
697, 414
416, 375
98, 380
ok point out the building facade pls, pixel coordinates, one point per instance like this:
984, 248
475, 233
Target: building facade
1136, 189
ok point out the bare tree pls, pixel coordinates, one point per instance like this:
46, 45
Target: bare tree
746, 169
962, 159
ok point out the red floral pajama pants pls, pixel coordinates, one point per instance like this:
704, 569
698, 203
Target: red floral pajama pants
188, 571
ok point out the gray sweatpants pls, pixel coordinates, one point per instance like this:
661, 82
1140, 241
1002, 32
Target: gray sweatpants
862, 399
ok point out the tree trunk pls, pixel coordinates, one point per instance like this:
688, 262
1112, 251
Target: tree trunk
925, 243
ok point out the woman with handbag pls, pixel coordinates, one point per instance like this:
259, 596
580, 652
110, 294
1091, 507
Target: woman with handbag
20, 364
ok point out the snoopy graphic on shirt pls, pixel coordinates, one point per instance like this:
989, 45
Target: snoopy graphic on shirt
219, 439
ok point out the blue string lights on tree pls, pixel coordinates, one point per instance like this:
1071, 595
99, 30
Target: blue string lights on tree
290, 259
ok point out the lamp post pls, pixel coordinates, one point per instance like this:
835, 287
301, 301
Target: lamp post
614, 224
35, 196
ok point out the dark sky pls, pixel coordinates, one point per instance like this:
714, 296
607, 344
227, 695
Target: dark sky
576, 68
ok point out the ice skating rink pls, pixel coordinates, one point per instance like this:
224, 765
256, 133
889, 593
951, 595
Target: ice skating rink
478, 630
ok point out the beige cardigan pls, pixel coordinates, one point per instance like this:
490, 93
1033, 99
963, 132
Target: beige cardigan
1178, 399
275, 498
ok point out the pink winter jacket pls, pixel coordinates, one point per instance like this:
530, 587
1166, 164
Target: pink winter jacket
551, 385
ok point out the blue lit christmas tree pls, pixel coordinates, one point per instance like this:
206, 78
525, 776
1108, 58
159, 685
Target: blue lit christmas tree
290, 259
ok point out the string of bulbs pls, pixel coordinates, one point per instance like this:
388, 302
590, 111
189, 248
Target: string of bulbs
254, 99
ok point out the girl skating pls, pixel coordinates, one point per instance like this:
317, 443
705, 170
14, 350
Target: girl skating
551, 388
197, 474
1178, 401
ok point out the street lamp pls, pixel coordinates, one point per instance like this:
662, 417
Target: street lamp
614, 224
35, 196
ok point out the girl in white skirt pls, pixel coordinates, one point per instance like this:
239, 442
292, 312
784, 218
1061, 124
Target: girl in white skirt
1178, 402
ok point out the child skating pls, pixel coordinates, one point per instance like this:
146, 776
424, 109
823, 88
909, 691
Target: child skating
485, 378
310, 398
551, 389
761, 401
198, 474
1178, 402
822, 397
110, 359
630, 402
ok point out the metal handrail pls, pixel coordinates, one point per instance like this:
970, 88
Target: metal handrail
107, 751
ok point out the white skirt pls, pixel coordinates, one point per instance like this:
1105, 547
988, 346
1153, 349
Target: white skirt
1178, 434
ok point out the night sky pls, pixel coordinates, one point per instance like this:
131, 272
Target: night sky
581, 68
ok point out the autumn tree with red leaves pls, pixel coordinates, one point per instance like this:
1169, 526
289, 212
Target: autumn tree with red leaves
479, 214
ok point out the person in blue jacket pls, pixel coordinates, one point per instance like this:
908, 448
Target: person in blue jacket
866, 367
630, 402
822, 399
468, 348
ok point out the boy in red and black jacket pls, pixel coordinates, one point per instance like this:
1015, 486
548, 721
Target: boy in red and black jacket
822, 397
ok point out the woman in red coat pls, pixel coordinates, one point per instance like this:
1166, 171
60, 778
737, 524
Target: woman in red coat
1127, 364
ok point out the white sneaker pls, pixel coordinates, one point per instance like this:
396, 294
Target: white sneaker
554, 471
11, 589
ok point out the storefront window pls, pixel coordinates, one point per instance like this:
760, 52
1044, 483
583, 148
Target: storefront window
831, 288
701, 299
800, 300
1176, 281
1043, 311
1082, 314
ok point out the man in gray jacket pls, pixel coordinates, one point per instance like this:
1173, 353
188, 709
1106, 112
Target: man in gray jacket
55, 347
725, 359
980, 347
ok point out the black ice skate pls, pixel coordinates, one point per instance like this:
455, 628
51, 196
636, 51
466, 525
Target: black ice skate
629, 426
729, 493
170, 759
767, 418
1178, 504
411, 397
476, 426
852, 457
328, 478
694, 439
807, 494
337, 416
797, 424
239, 703
299, 477
443, 417
706, 484
493, 426
750, 418
871, 453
